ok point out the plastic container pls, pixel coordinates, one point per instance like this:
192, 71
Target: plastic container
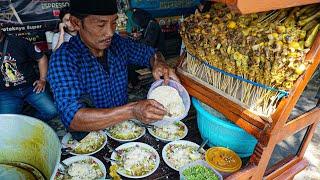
223, 160
199, 162
222, 132
183, 94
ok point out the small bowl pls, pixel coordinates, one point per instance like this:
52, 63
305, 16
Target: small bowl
183, 94
216, 156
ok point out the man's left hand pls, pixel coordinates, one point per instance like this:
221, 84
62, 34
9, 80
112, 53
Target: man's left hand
39, 86
161, 69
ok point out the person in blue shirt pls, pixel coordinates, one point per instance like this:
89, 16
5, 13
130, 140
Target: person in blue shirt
89, 76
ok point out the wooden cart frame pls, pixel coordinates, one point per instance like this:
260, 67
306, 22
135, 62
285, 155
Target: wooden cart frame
268, 134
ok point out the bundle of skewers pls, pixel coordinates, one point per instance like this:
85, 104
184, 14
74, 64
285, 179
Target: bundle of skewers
254, 58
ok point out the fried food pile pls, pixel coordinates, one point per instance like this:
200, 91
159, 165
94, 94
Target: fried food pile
268, 47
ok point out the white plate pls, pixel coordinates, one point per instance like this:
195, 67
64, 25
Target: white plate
128, 140
183, 142
82, 157
131, 144
168, 140
68, 136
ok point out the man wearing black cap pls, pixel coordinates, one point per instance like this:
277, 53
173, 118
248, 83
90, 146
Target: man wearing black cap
89, 76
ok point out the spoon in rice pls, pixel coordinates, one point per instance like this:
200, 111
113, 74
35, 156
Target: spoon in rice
63, 170
202, 145
66, 151
110, 160
138, 123
112, 149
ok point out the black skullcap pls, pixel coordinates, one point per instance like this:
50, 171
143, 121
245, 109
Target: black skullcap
93, 7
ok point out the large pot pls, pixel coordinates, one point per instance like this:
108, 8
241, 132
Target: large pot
28, 140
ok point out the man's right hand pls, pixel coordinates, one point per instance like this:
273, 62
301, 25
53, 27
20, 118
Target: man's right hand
148, 111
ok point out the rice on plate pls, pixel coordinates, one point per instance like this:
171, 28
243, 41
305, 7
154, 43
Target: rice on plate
136, 160
125, 131
176, 154
82, 167
171, 132
89, 145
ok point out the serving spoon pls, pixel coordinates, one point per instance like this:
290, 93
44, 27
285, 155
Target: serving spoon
110, 160
202, 145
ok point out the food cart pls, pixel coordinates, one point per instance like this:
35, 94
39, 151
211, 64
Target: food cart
268, 129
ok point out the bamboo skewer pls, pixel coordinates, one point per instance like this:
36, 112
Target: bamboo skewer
268, 62
256, 98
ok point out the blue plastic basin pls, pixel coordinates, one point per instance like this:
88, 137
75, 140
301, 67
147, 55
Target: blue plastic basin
221, 132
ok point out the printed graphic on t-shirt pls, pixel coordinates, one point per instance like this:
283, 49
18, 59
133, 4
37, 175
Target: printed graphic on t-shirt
9, 70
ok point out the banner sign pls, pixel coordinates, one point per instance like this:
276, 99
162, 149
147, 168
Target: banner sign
31, 18
161, 8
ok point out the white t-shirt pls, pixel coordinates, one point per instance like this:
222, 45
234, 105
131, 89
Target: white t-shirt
56, 36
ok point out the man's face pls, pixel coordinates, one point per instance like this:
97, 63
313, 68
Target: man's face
97, 31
